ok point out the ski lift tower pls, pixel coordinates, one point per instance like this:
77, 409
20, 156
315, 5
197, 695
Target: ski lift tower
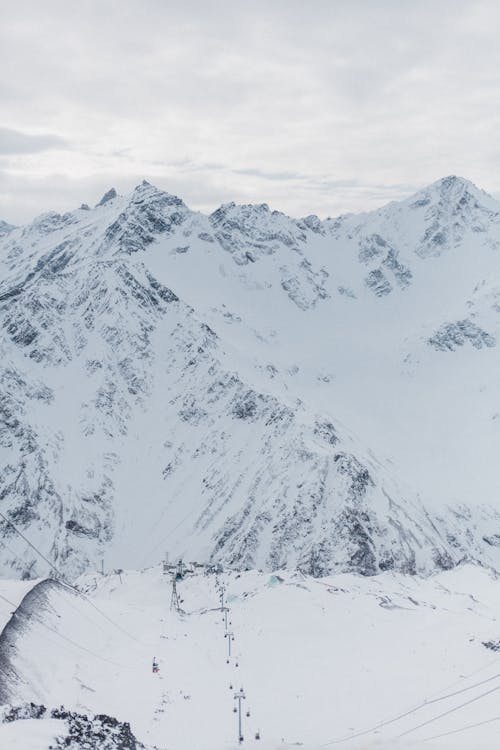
240, 697
174, 599
165, 564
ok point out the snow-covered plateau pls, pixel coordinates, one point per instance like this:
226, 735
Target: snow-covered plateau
308, 408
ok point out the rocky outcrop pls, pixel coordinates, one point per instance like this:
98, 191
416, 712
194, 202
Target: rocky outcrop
78, 731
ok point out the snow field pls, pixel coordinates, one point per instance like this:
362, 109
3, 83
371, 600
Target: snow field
319, 660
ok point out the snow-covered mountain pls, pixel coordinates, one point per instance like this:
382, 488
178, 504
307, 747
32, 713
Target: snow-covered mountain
250, 388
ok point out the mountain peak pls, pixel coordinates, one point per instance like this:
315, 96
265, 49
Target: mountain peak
452, 188
147, 191
453, 181
453, 185
109, 196
453, 194
5, 228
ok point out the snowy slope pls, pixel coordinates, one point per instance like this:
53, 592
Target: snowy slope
319, 659
250, 388
30, 734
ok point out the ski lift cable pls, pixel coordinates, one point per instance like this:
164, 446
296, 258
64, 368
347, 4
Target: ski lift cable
156, 524
85, 614
52, 566
461, 729
491, 663
151, 552
9, 549
487, 665
64, 582
35, 616
447, 713
103, 614
410, 711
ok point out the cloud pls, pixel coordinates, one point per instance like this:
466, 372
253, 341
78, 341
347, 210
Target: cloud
312, 107
16, 142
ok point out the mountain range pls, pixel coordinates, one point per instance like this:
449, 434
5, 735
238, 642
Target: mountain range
249, 388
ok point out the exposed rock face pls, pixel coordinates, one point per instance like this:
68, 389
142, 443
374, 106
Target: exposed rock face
149, 400
452, 335
78, 731
109, 196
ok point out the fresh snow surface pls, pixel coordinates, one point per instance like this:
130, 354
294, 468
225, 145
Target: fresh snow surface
30, 734
319, 659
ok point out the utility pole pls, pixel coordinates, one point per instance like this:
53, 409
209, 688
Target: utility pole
230, 637
225, 610
240, 697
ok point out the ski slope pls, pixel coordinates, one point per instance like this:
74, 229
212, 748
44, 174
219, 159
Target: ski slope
319, 659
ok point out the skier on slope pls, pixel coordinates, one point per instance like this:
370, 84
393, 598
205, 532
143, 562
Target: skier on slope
156, 667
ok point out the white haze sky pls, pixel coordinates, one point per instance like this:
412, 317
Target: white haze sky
317, 106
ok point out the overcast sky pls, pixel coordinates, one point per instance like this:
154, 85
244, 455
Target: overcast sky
317, 106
